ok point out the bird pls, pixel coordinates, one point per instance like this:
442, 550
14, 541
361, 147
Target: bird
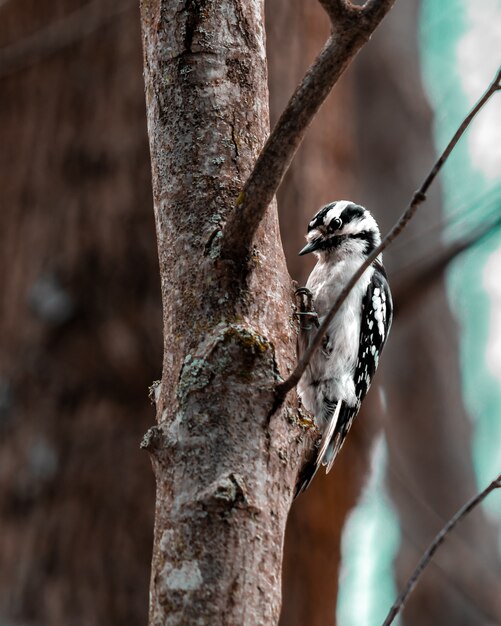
342, 235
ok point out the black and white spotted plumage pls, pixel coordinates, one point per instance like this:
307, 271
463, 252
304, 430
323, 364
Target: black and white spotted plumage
342, 235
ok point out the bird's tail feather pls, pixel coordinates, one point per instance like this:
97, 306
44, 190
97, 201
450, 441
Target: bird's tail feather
326, 453
332, 450
306, 478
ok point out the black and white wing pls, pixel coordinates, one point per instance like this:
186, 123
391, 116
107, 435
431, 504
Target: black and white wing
377, 313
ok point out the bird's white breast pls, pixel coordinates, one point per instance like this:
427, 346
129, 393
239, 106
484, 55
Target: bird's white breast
336, 362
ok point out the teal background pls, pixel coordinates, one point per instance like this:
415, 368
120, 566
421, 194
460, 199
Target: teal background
370, 542
470, 198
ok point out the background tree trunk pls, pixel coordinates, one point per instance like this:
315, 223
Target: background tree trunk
80, 322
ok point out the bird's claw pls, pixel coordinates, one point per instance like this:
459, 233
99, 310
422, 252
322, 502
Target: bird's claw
306, 314
303, 317
305, 299
303, 290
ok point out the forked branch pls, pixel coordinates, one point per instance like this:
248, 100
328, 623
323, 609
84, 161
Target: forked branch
433, 547
418, 198
352, 26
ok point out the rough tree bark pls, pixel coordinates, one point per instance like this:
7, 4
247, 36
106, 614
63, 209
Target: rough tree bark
225, 463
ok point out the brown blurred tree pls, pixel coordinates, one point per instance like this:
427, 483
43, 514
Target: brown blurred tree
80, 317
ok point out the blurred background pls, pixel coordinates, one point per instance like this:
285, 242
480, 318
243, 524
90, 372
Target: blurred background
80, 317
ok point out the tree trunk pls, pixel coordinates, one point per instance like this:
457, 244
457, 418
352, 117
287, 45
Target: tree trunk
224, 460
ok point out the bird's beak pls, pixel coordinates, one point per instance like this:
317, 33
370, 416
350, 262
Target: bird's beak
311, 247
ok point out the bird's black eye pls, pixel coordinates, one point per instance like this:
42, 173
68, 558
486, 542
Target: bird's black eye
335, 224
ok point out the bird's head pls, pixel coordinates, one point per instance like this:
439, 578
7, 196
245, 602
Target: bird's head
342, 227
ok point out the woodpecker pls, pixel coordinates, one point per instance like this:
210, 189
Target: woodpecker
342, 235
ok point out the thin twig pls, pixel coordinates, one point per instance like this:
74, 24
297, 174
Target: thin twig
439, 539
414, 284
418, 198
352, 26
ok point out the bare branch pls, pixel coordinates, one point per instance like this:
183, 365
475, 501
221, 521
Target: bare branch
418, 198
414, 285
352, 26
435, 544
